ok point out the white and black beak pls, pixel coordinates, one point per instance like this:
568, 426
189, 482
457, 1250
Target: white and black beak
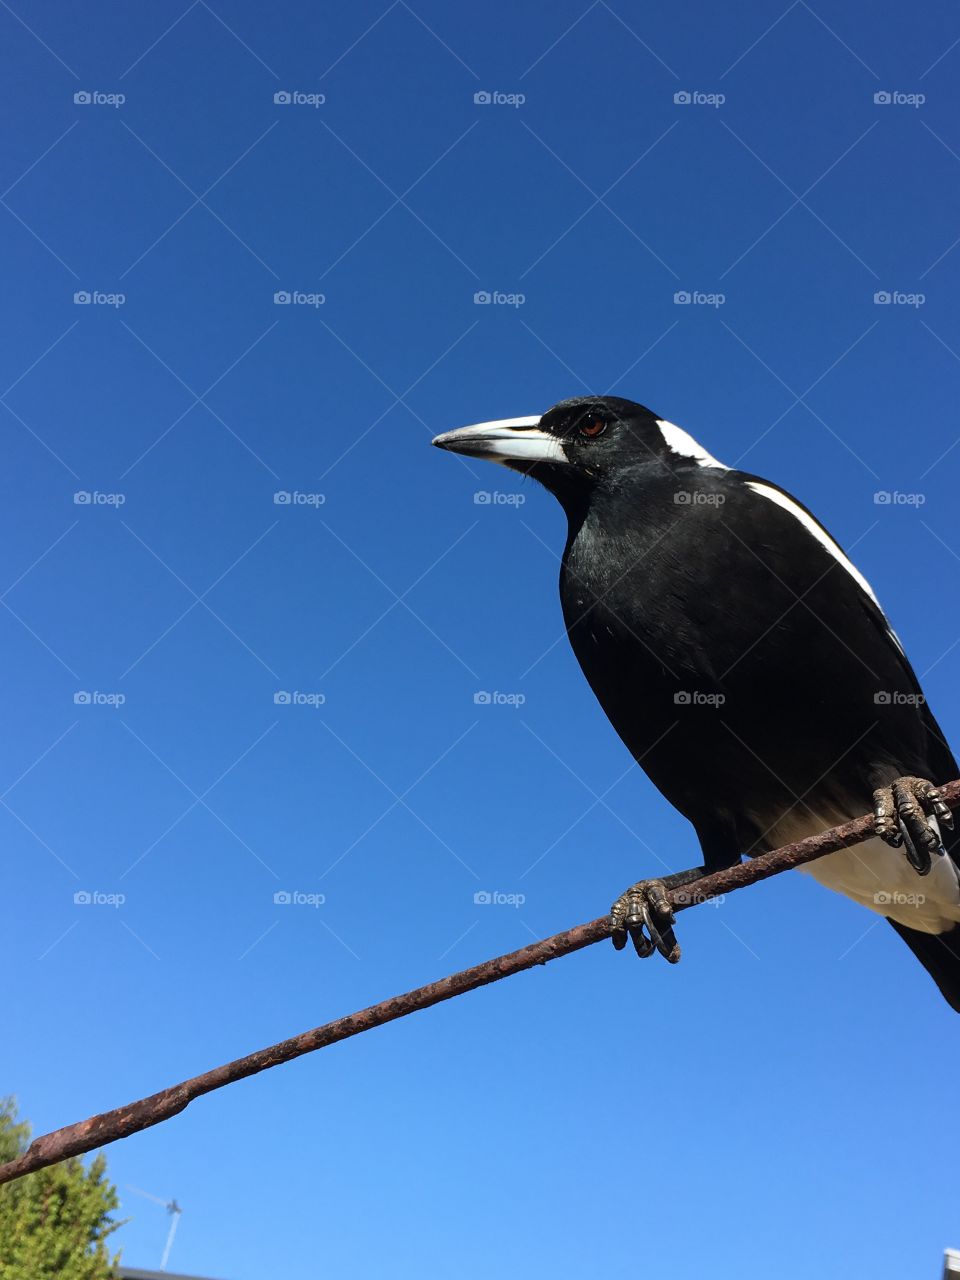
516, 442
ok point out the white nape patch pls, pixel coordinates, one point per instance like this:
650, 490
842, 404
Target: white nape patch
504, 440
821, 535
681, 442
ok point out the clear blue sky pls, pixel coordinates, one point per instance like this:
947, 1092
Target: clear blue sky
781, 1099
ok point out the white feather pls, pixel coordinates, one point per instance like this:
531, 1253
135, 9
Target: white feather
683, 444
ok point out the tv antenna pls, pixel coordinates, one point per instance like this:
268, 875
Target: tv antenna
174, 1211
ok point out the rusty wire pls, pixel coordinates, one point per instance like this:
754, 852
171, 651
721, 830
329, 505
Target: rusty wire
121, 1122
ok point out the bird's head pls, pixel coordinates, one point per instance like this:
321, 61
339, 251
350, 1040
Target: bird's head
578, 443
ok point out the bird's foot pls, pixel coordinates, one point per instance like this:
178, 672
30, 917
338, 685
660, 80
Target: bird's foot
645, 906
907, 813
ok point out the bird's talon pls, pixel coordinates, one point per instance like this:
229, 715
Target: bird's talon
643, 946
942, 811
906, 814
645, 913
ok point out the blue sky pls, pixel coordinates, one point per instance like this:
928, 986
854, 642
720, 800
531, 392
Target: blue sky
775, 1100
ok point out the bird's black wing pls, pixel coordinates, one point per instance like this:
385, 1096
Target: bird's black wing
942, 765
939, 953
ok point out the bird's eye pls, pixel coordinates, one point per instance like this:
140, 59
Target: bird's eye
592, 428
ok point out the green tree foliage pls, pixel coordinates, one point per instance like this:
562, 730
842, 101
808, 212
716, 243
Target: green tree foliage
54, 1222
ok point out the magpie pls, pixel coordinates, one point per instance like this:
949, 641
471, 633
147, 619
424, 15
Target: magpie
745, 663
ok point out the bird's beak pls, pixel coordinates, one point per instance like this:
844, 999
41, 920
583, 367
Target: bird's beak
509, 440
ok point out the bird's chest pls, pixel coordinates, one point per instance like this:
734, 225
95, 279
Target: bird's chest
628, 608
624, 640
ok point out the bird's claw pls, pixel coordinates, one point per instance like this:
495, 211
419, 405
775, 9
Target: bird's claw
645, 906
902, 815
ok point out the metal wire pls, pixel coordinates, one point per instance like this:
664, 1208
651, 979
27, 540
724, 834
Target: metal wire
121, 1122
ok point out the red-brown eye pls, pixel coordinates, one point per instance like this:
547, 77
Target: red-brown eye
592, 428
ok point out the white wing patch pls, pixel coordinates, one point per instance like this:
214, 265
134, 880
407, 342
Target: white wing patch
781, 499
682, 443
811, 526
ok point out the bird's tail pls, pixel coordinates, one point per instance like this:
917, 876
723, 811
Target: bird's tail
939, 953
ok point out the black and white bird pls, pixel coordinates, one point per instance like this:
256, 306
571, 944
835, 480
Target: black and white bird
745, 663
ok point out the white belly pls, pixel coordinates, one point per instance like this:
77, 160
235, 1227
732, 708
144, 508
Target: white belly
882, 879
